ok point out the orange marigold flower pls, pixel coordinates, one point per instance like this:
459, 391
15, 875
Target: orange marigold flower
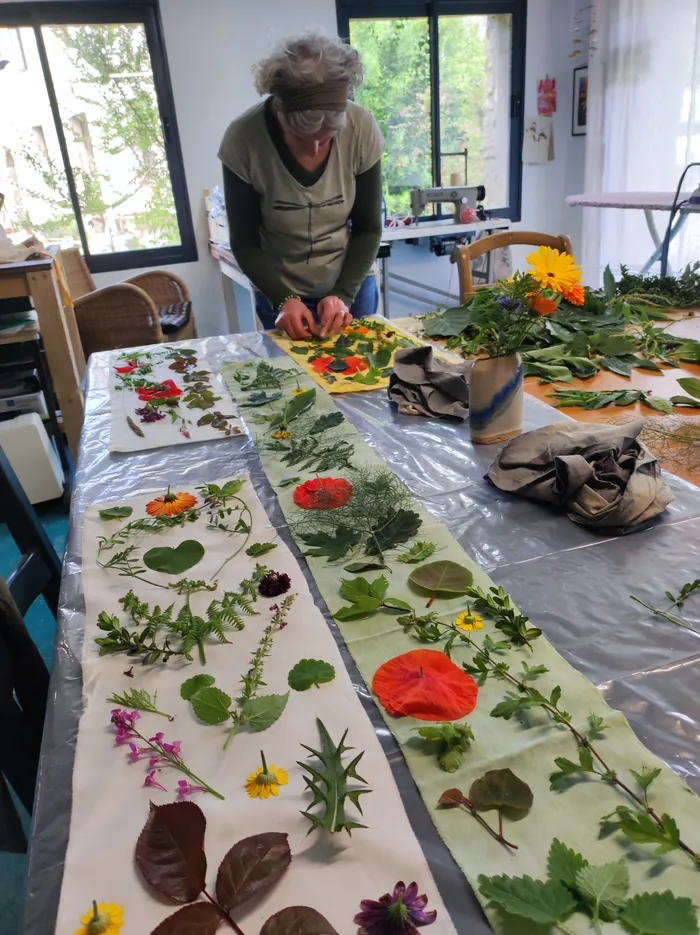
323, 493
171, 504
541, 304
575, 294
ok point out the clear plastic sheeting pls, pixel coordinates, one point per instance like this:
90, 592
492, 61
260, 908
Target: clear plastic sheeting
573, 582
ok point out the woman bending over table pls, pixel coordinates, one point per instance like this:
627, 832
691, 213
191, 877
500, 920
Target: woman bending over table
303, 185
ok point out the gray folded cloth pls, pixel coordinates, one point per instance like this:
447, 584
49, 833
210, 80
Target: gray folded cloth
424, 385
600, 474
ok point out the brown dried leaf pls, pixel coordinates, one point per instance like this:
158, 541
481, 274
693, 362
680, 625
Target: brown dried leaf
450, 798
297, 920
197, 919
169, 851
252, 867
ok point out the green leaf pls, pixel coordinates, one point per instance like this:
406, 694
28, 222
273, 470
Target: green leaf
262, 712
658, 404
513, 703
323, 423
615, 365
660, 914
691, 385
261, 398
379, 587
362, 607
116, 512
211, 705
449, 323
381, 359
548, 373
532, 672
370, 377
288, 481
174, 561
604, 888
644, 364
295, 407
192, 686
354, 589
299, 349
445, 576
612, 345
502, 790
684, 401
392, 530
308, 672
546, 903
260, 548
609, 285
418, 552
338, 365
564, 863
393, 603
330, 546
647, 776
451, 741
356, 567
644, 830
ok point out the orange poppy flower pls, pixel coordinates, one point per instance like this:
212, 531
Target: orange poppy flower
323, 493
361, 330
541, 304
320, 365
170, 504
575, 294
425, 684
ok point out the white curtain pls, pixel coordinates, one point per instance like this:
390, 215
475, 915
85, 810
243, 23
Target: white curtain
643, 125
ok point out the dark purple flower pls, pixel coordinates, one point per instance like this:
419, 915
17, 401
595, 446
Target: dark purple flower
274, 583
402, 911
149, 415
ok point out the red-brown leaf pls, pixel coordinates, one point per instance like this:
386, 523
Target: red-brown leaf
197, 919
252, 867
169, 851
297, 920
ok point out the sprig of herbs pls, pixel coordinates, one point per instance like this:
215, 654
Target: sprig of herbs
140, 700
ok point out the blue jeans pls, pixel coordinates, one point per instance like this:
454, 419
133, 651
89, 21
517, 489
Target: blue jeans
365, 304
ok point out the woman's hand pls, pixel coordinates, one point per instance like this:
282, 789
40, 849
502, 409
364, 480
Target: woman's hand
296, 319
333, 314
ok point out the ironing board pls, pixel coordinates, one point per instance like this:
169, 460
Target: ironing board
644, 201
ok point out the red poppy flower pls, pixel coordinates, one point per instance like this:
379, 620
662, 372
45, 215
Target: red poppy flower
425, 684
323, 493
127, 368
320, 365
165, 390
352, 365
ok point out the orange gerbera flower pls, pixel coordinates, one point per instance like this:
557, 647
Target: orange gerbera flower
575, 294
541, 304
171, 504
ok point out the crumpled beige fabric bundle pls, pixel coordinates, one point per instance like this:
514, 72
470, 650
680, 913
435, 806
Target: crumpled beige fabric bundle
600, 474
422, 384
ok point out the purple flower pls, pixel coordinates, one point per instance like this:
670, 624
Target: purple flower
173, 749
137, 752
157, 738
274, 583
402, 911
184, 788
124, 722
151, 780
147, 414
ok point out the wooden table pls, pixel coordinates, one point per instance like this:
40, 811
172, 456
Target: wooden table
664, 384
59, 330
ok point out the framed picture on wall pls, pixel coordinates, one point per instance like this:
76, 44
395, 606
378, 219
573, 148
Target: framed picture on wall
579, 108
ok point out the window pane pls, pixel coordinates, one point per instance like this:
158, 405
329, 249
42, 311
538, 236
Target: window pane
32, 178
475, 55
396, 89
107, 100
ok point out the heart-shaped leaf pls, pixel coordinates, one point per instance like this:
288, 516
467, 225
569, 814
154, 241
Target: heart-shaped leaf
501, 789
170, 851
444, 576
197, 919
297, 920
251, 868
116, 512
174, 561
308, 672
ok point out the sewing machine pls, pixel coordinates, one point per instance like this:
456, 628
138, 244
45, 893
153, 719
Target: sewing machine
460, 196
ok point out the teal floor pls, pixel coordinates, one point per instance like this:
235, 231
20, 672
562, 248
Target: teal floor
42, 626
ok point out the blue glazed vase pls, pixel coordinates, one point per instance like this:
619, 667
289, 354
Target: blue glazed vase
496, 399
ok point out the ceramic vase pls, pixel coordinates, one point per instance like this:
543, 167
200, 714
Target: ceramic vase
496, 399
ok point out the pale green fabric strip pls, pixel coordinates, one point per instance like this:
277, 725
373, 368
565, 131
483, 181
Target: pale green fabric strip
528, 747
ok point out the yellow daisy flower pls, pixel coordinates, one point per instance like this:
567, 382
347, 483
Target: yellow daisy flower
554, 270
102, 919
281, 433
469, 621
298, 391
266, 781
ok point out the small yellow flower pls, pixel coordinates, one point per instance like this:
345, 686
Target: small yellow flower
102, 919
469, 621
266, 781
281, 433
298, 391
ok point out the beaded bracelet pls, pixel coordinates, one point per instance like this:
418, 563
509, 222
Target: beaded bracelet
286, 299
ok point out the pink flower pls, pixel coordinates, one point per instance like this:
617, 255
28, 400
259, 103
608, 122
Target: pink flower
157, 738
184, 788
137, 752
173, 749
124, 721
150, 780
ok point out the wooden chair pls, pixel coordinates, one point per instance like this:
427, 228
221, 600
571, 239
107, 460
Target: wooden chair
464, 255
145, 309
24, 678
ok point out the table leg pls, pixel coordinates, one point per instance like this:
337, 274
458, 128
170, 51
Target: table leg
61, 353
656, 255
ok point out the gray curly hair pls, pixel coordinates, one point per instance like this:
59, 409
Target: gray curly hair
310, 59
